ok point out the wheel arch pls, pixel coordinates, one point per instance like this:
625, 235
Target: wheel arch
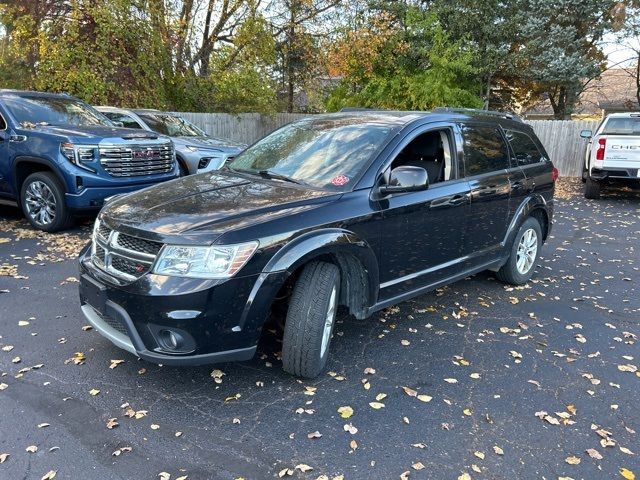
25, 166
354, 257
535, 206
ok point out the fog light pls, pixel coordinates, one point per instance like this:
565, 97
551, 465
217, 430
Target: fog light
171, 340
203, 163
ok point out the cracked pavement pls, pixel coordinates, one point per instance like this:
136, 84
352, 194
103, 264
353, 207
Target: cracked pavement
537, 373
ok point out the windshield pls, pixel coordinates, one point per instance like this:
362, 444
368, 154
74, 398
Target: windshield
622, 126
171, 125
324, 152
54, 110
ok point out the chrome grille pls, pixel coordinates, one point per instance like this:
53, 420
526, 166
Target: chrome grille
138, 244
104, 231
121, 255
137, 160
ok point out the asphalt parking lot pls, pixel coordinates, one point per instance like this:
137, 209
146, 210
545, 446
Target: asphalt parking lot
537, 382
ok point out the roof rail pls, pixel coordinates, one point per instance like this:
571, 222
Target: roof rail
382, 110
477, 111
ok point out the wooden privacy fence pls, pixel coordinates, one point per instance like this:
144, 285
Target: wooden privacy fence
561, 138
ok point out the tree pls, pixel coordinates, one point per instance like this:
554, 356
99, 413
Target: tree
560, 46
403, 62
629, 39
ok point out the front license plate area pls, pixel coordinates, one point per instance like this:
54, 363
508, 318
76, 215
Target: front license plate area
94, 294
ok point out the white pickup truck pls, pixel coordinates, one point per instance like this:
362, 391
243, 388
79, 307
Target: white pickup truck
613, 152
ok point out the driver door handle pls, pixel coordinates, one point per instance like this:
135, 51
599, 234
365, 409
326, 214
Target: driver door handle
450, 201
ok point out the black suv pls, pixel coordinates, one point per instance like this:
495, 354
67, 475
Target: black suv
363, 209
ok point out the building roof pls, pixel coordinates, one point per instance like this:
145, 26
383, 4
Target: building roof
614, 90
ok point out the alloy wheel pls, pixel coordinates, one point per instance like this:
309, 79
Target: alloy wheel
527, 251
328, 324
40, 203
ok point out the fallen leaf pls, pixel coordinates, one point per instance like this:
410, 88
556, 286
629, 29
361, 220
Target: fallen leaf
626, 450
94, 392
409, 391
424, 398
50, 475
451, 380
346, 411
572, 460
217, 375
115, 363
498, 450
164, 476
303, 467
112, 423
155, 426
43, 425
31, 449
480, 455
464, 476
593, 453
4, 456
628, 474
376, 405
315, 434
467, 412
418, 466
353, 444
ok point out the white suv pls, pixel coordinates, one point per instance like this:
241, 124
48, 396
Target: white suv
613, 152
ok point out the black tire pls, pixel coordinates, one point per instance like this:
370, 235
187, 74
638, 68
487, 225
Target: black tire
182, 168
61, 217
592, 189
509, 273
309, 308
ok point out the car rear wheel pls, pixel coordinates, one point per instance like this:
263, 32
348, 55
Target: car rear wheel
524, 254
310, 320
592, 189
42, 201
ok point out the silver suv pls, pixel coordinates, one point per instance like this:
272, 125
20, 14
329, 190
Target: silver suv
196, 152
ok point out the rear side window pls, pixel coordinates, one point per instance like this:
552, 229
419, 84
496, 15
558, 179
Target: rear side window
3, 125
126, 120
484, 150
524, 148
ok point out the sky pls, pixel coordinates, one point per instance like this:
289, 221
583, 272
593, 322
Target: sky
618, 51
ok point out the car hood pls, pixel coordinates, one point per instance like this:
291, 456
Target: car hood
93, 134
209, 144
207, 205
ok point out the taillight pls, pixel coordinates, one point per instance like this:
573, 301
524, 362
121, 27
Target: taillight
602, 144
555, 173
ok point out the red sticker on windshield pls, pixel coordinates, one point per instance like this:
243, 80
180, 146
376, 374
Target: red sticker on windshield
340, 180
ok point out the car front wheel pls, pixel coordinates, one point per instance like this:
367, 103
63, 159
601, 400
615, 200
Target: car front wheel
524, 254
42, 200
310, 320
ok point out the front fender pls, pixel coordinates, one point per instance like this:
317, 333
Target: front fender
333, 242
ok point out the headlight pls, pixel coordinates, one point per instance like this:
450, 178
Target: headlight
217, 261
78, 155
191, 148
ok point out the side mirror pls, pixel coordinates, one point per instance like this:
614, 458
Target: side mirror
406, 179
586, 133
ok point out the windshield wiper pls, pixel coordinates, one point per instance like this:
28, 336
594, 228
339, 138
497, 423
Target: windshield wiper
278, 176
269, 174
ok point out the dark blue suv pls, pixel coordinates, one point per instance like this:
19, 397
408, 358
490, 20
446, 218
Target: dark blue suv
60, 157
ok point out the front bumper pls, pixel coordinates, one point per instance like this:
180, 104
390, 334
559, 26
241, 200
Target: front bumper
93, 197
217, 321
